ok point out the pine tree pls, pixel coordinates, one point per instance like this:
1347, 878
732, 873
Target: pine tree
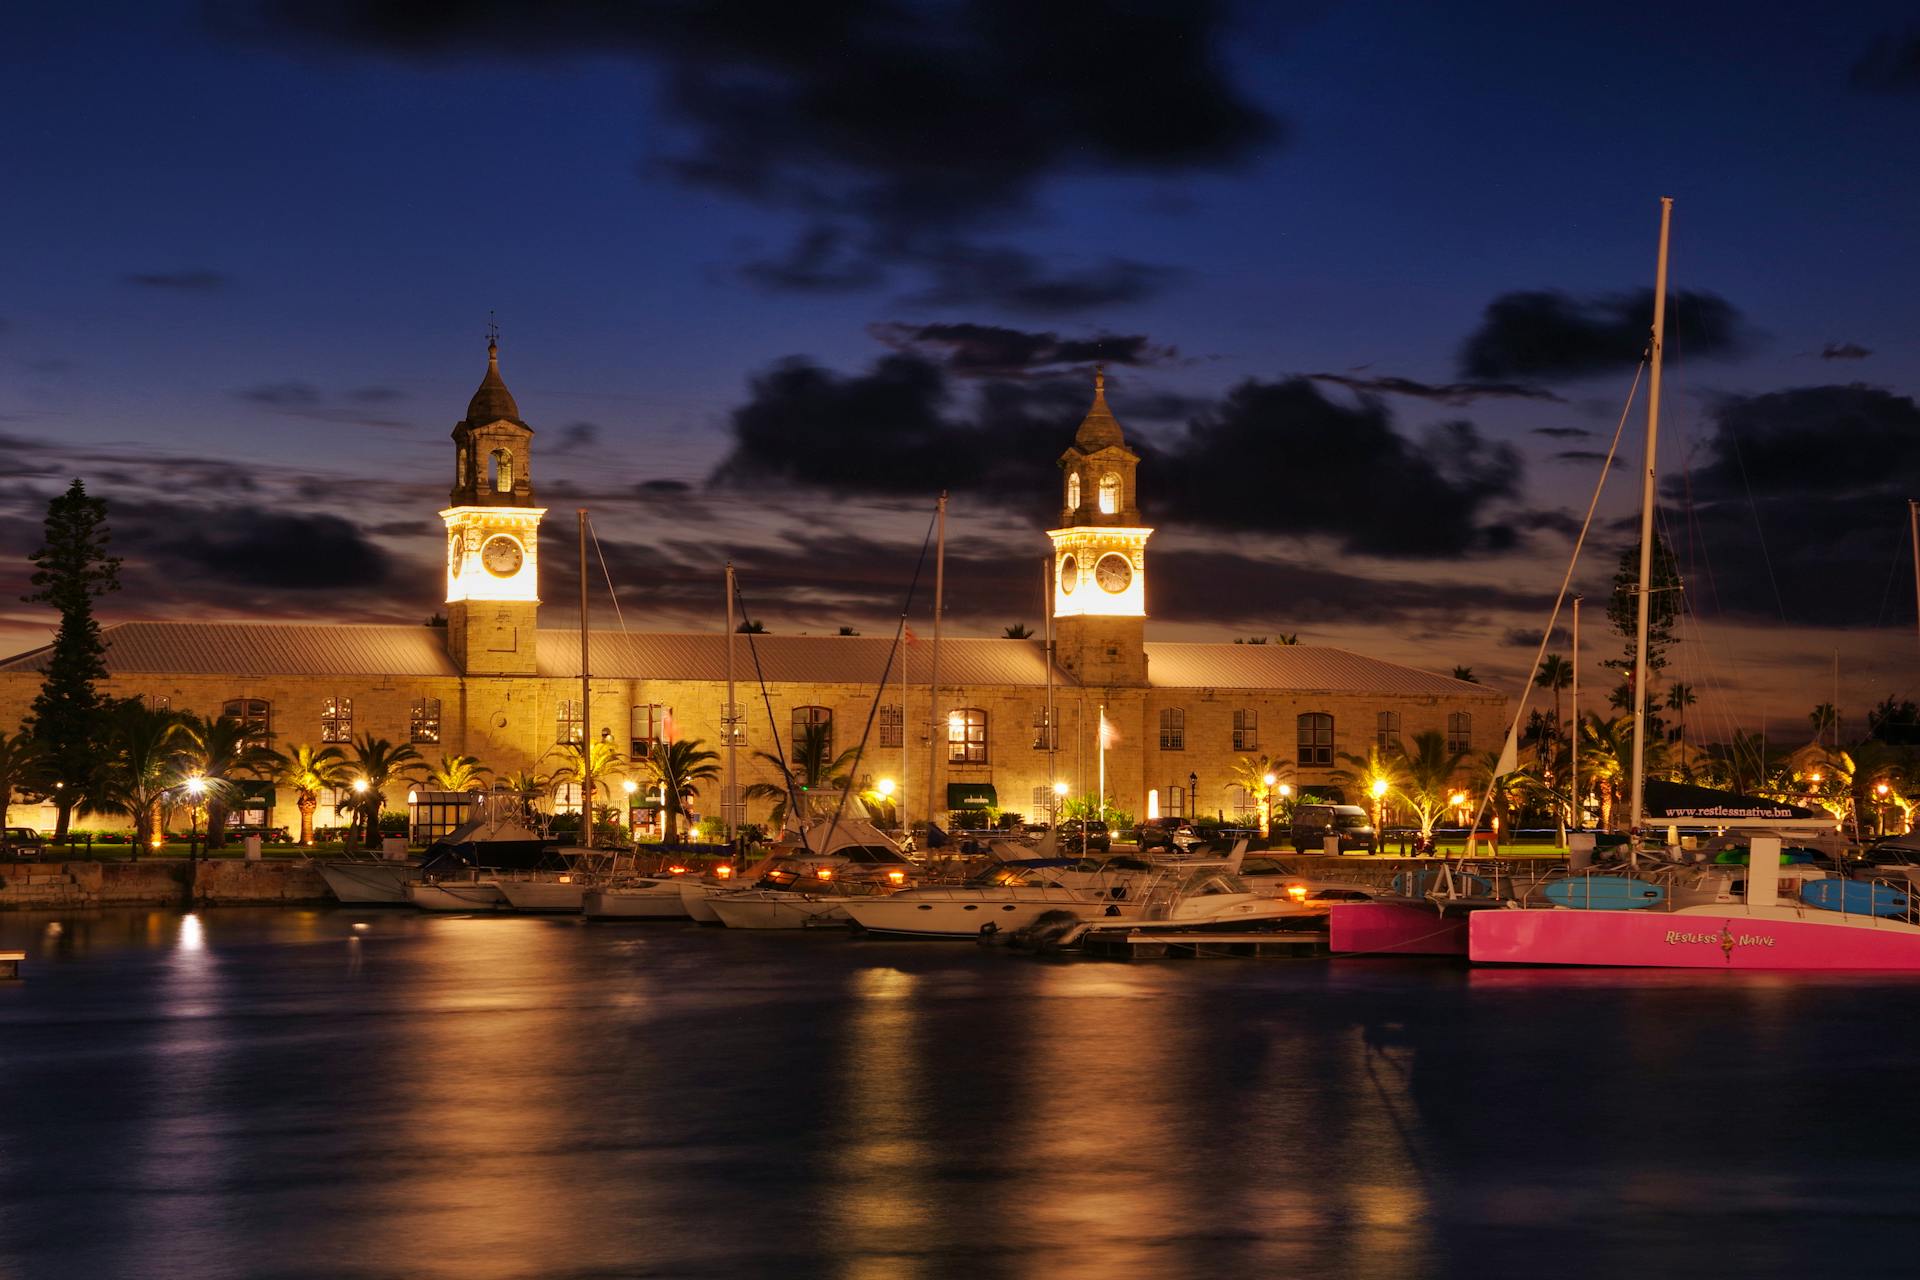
72, 570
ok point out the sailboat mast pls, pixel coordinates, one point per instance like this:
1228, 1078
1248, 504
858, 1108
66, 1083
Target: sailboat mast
1637, 810
1913, 518
933, 675
1046, 653
903, 811
730, 721
586, 703
1573, 739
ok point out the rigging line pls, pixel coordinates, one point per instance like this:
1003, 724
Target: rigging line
766, 697
604, 572
1899, 554
873, 708
1766, 557
1573, 561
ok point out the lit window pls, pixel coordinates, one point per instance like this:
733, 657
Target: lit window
648, 725
336, 720
460, 466
1316, 738
1176, 802
159, 702
816, 720
1073, 490
500, 469
1045, 738
1240, 800
733, 720
1109, 493
967, 736
1459, 731
566, 716
1173, 729
892, 726
1386, 733
423, 721
1246, 730
255, 717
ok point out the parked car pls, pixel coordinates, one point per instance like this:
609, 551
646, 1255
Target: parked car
1095, 834
1313, 823
271, 835
22, 843
1167, 833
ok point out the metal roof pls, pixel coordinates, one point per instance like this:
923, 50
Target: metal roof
1307, 668
264, 649
802, 659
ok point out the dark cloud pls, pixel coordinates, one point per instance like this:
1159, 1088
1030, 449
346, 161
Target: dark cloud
1271, 457
1452, 393
985, 350
575, 437
1561, 433
1529, 638
1552, 335
1845, 351
1890, 65
304, 400
891, 128
196, 280
665, 486
1585, 455
1799, 502
282, 550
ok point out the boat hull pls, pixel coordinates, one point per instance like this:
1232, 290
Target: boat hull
460, 895
543, 897
694, 902
916, 918
657, 903
1394, 929
779, 913
1779, 938
368, 882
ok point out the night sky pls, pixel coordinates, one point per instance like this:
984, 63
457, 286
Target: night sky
1370, 282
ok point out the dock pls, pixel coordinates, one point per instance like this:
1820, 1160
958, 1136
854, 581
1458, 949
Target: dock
1153, 944
10, 963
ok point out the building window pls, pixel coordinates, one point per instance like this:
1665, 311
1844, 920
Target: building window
648, 725
500, 469
1459, 731
1386, 733
733, 721
966, 736
1246, 730
1073, 490
1173, 729
1109, 494
1045, 737
1240, 800
566, 718
255, 718
336, 720
1316, 738
159, 702
892, 727
1176, 802
566, 798
732, 808
423, 721
805, 718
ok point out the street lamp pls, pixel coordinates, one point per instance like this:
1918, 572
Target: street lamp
1193, 795
196, 787
1266, 805
1379, 811
360, 796
1059, 798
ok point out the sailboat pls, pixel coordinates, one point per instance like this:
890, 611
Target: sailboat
1766, 915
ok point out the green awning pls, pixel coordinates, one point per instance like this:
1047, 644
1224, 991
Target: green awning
971, 795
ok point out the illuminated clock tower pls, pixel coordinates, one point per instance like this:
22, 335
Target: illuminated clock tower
493, 535
1100, 555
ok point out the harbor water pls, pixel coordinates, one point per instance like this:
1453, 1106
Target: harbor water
260, 1092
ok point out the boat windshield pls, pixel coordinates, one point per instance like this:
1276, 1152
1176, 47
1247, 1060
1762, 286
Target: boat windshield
1204, 883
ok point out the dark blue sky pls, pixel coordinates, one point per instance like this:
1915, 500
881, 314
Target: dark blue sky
255, 245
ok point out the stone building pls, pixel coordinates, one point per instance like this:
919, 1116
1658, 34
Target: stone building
495, 684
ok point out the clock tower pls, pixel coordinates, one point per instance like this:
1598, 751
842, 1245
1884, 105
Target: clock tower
493, 535
1100, 554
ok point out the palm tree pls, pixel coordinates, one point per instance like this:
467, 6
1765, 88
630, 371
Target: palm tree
1504, 791
1464, 673
379, 763
1378, 774
1822, 719
751, 627
602, 761
221, 753
143, 763
1679, 698
1555, 674
678, 769
458, 773
1425, 778
23, 769
1251, 774
1606, 752
526, 785
1018, 631
307, 772
811, 770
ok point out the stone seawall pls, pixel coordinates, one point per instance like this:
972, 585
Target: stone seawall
157, 883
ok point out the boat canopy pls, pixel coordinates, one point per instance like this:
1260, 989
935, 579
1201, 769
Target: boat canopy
1683, 804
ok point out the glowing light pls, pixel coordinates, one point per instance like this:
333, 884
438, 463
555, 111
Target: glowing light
955, 721
192, 936
1153, 805
629, 786
1060, 789
1880, 788
825, 873
566, 879
1269, 780
156, 842
197, 785
676, 870
1379, 787
1285, 791
1298, 892
886, 786
723, 871
1816, 779
898, 877
1457, 799
359, 786
413, 797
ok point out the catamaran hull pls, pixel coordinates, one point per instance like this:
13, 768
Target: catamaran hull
1394, 929
1780, 938
359, 882
465, 895
543, 897
768, 913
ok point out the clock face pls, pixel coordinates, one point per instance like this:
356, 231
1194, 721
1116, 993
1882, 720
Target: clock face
1069, 574
502, 556
1113, 573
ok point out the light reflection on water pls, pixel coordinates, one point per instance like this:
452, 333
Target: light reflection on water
262, 1093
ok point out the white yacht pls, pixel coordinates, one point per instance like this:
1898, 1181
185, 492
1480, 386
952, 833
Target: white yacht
1003, 897
460, 891
368, 880
642, 898
814, 872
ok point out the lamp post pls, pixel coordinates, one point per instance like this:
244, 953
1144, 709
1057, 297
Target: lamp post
1266, 805
1880, 808
630, 787
1059, 797
360, 787
1379, 811
196, 788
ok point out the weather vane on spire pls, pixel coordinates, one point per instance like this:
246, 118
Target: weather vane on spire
493, 330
